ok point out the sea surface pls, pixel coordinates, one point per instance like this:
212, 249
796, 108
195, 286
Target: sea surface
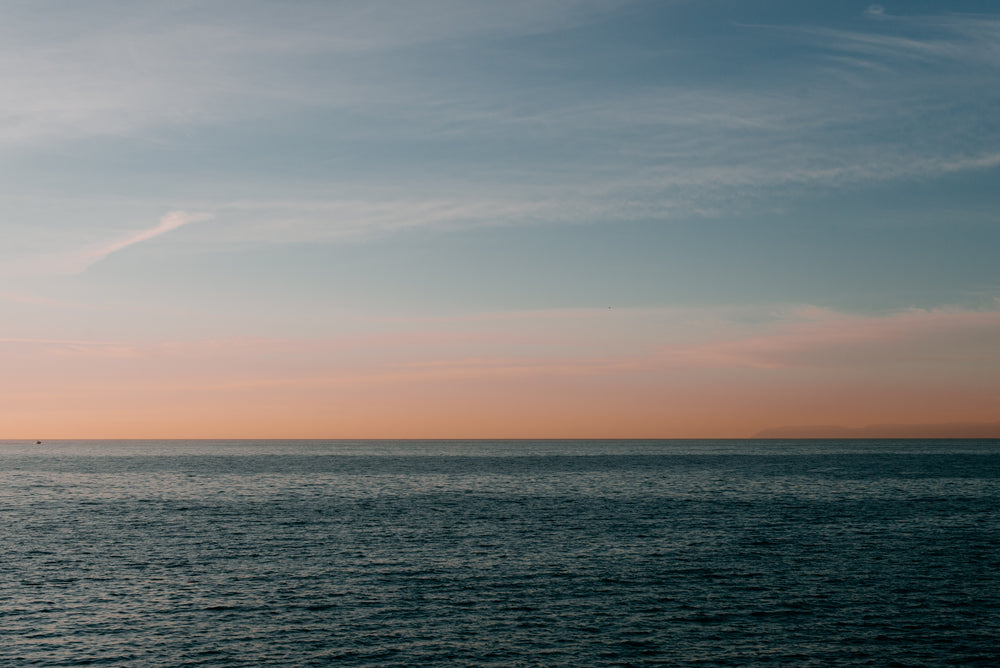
500, 553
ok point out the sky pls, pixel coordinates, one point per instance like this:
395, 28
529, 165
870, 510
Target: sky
479, 219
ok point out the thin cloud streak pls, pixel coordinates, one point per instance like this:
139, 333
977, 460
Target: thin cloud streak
171, 221
76, 262
682, 193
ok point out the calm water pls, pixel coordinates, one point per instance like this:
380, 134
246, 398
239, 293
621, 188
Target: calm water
522, 553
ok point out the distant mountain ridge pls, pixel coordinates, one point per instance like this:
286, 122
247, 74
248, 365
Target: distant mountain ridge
940, 430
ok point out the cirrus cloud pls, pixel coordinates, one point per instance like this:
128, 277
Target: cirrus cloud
79, 260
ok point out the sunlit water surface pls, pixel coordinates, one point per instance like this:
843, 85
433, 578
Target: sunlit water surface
505, 553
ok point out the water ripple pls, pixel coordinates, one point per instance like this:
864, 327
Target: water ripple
285, 554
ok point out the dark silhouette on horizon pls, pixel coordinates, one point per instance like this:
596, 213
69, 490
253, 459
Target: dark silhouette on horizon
938, 430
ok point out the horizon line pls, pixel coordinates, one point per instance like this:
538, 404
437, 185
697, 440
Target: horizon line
36, 440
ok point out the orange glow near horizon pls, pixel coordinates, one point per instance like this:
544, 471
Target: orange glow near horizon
814, 368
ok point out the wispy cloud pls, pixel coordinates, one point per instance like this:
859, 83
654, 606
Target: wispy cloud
858, 107
119, 70
77, 261
169, 222
854, 106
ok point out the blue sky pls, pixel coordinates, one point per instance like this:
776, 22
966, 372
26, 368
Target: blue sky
197, 171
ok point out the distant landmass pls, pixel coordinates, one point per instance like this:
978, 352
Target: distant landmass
941, 430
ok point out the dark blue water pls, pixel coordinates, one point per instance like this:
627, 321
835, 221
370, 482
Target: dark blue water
544, 553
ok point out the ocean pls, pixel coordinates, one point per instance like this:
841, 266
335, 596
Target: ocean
500, 553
